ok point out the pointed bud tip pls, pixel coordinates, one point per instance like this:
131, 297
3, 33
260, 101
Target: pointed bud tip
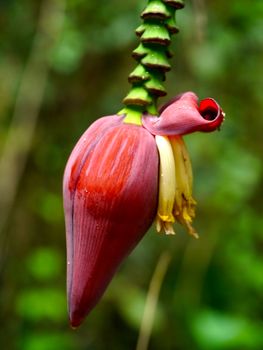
73, 327
75, 315
75, 322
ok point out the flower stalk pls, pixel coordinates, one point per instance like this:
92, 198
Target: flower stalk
152, 55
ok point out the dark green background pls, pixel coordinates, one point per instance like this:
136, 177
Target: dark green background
65, 63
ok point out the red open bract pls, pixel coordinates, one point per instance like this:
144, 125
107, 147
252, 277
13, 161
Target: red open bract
183, 115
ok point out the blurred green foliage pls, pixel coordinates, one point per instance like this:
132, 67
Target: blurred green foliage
212, 295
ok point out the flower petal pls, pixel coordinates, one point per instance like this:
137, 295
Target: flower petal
184, 204
167, 185
183, 116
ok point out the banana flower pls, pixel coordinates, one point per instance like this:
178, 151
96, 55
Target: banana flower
119, 179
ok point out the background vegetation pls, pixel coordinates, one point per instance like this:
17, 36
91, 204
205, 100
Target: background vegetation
62, 65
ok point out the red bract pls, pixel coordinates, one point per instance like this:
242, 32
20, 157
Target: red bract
111, 192
182, 115
110, 199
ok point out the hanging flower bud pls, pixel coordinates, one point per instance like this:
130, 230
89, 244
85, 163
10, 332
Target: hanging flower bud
118, 179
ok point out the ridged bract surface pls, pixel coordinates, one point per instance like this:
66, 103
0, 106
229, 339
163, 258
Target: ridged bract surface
110, 201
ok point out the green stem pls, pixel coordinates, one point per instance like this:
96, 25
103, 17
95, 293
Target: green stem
152, 300
152, 56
